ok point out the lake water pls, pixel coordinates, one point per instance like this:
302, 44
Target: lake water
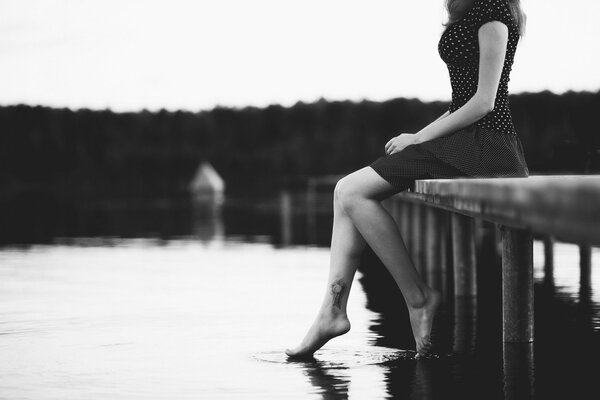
166, 300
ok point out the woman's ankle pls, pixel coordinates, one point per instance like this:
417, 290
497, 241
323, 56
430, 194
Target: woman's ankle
421, 297
330, 311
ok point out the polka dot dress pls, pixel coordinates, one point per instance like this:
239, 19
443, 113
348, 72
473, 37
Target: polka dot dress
459, 48
489, 147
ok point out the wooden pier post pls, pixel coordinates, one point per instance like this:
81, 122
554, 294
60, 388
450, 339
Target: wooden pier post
465, 324
463, 253
548, 253
519, 372
548, 260
444, 241
404, 221
585, 265
410, 231
517, 285
417, 237
432, 248
488, 240
436, 265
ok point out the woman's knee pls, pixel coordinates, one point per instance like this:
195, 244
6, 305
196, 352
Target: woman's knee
346, 194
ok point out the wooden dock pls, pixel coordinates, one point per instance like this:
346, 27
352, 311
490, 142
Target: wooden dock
563, 208
442, 221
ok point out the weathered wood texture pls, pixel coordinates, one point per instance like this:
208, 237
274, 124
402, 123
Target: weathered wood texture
566, 207
585, 265
519, 371
463, 253
418, 234
436, 249
517, 285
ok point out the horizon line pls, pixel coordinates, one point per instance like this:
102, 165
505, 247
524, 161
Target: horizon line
250, 106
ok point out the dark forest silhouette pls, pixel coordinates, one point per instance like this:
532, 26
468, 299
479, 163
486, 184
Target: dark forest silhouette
86, 152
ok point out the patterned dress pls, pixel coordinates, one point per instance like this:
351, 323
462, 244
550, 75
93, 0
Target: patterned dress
489, 147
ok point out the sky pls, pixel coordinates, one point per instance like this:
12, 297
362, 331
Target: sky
128, 55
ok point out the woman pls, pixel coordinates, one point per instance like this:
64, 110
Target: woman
475, 137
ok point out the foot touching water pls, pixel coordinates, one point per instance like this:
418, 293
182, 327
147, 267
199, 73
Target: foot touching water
421, 320
327, 326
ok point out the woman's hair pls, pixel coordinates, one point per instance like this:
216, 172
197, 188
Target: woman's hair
458, 8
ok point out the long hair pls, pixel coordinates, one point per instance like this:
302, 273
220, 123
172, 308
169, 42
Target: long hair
458, 8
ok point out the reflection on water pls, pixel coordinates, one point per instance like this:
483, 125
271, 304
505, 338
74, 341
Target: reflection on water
518, 368
175, 300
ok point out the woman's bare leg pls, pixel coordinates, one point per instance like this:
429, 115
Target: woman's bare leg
347, 245
359, 217
360, 194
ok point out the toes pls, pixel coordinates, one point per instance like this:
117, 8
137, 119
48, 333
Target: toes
424, 348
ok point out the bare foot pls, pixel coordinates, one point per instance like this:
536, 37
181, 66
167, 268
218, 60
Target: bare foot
325, 327
421, 320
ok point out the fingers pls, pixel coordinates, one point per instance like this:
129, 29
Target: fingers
390, 147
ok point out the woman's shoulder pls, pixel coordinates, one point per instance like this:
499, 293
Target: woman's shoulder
484, 11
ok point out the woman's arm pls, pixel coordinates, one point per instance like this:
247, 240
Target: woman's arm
493, 39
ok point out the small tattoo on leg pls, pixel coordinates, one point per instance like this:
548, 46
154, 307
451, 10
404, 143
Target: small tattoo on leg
337, 290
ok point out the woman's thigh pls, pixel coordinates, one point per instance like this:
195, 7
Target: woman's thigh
365, 182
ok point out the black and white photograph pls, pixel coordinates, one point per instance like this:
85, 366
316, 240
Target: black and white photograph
285, 199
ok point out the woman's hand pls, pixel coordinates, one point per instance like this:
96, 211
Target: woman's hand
399, 142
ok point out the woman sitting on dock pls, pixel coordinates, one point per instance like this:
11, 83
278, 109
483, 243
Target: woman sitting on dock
474, 138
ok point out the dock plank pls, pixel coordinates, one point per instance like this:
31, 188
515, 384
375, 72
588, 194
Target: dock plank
567, 207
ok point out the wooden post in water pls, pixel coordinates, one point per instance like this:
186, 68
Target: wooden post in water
404, 217
463, 253
465, 324
585, 265
408, 217
422, 255
517, 285
465, 281
443, 230
432, 248
548, 260
416, 236
548, 253
489, 238
519, 372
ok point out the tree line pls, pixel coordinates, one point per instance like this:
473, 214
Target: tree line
87, 152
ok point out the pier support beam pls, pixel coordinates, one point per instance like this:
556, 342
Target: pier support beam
444, 248
433, 252
465, 324
519, 372
585, 265
517, 285
418, 236
548, 260
404, 222
463, 253
548, 254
